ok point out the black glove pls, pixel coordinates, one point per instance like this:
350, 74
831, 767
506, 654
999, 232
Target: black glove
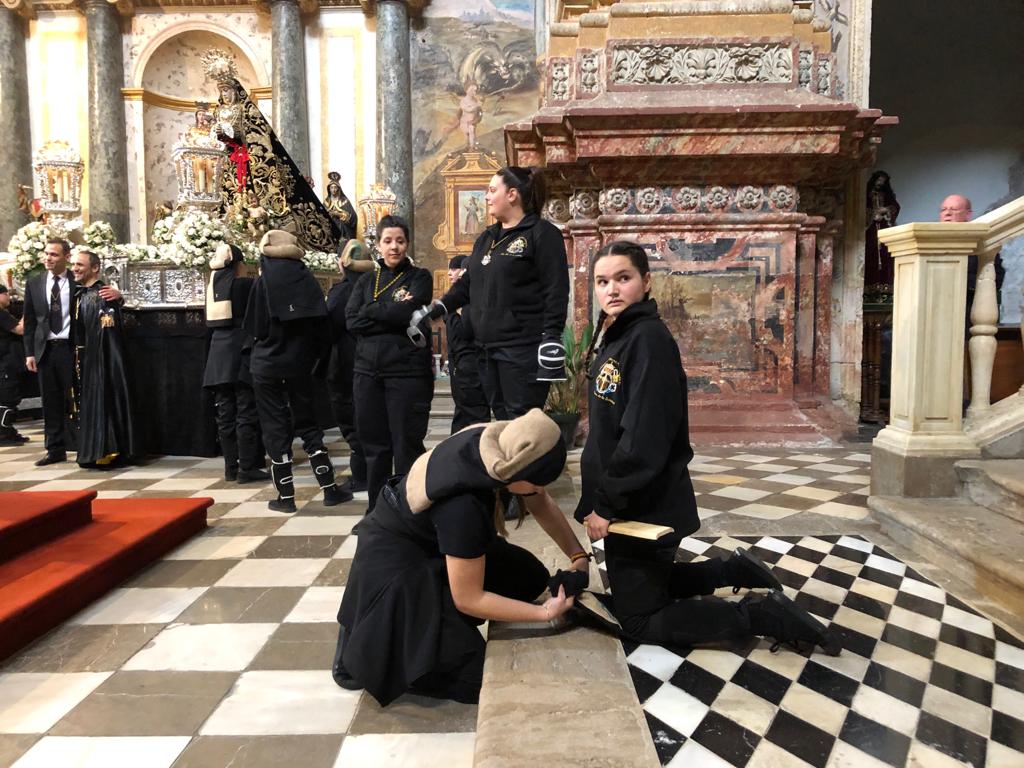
573, 581
551, 360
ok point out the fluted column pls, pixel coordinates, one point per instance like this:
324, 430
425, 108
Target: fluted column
394, 102
288, 51
108, 163
16, 157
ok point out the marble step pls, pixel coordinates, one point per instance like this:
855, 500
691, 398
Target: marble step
971, 542
997, 484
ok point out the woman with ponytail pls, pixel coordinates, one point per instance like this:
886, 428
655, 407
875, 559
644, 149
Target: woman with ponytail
634, 467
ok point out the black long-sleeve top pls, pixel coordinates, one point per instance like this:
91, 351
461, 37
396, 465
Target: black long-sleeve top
516, 284
378, 313
634, 462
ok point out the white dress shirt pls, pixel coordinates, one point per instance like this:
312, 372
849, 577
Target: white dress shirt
65, 304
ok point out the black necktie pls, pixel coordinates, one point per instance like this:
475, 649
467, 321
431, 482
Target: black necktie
56, 313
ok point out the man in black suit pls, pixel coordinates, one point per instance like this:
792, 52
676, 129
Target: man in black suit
48, 349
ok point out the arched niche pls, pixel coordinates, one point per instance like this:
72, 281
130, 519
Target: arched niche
172, 74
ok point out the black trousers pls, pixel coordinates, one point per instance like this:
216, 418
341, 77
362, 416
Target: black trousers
339, 384
392, 415
238, 426
9, 399
56, 379
286, 410
666, 603
509, 571
510, 381
471, 405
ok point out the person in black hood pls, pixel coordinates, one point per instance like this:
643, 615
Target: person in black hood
432, 564
287, 318
463, 362
227, 367
394, 378
517, 287
634, 467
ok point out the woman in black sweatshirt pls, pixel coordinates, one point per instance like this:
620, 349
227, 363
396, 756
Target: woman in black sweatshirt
634, 467
394, 379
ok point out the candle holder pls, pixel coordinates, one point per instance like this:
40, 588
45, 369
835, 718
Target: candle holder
378, 203
199, 159
58, 169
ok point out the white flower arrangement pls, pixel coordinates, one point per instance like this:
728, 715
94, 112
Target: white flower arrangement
27, 247
98, 236
188, 239
163, 229
134, 252
321, 261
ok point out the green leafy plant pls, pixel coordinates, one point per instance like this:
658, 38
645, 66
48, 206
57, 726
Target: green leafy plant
569, 396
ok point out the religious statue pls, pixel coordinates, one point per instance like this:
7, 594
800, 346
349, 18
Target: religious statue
882, 210
340, 207
29, 204
471, 112
257, 220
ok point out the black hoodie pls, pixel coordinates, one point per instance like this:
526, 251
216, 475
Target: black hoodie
634, 462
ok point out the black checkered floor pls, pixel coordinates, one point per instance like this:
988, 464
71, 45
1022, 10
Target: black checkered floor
924, 679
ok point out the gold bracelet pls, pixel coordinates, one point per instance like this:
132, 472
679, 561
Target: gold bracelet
580, 555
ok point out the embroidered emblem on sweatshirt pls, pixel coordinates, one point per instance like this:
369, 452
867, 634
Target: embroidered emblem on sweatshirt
606, 384
402, 294
516, 247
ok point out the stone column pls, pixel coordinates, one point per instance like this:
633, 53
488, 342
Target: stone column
394, 103
108, 163
290, 116
16, 158
914, 455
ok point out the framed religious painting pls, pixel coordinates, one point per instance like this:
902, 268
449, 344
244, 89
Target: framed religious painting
465, 175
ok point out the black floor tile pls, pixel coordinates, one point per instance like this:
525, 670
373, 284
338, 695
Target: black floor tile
867, 605
920, 605
811, 555
875, 739
881, 577
956, 602
1009, 731
765, 683
831, 576
1004, 636
645, 683
828, 683
1011, 677
951, 739
728, 740
910, 641
824, 608
789, 579
857, 642
896, 684
969, 641
697, 682
968, 686
918, 577
667, 740
768, 556
848, 553
800, 738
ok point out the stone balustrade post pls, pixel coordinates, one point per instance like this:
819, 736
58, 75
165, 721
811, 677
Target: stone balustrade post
982, 346
288, 80
914, 455
16, 158
108, 153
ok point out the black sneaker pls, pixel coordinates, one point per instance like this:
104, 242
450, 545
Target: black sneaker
281, 505
231, 475
252, 476
745, 570
357, 485
775, 615
336, 495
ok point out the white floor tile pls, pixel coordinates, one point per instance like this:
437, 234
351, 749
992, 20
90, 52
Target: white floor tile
676, 708
183, 484
845, 511
64, 485
741, 493
763, 511
258, 509
274, 572
655, 660
203, 647
693, 755
103, 752
317, 605
347, 550
228, 495
157, 605
407, 750
33, 701
306, 525
283, 702
216, 548
788, 479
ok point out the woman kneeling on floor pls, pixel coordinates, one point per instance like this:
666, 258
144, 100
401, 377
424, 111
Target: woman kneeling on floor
431, 563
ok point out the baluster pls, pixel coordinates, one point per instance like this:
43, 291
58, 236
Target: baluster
982, 346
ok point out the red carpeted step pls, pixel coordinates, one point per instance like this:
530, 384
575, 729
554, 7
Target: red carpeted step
28, 519
50, 583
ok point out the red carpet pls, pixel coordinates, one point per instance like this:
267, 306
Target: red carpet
47, 584
29, 519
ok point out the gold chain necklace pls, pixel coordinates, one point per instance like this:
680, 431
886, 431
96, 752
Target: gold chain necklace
377, 290
487, 256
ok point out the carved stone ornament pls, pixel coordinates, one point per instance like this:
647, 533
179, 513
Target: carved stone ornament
717, 198
686, 199
614, 201
557, 209
584, 204
782, 197
806, 60
825, 75
590, 72
749, 198
691, 64
560, 69
649, 200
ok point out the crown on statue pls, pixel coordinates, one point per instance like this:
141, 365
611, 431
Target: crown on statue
220, 66
334, 176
